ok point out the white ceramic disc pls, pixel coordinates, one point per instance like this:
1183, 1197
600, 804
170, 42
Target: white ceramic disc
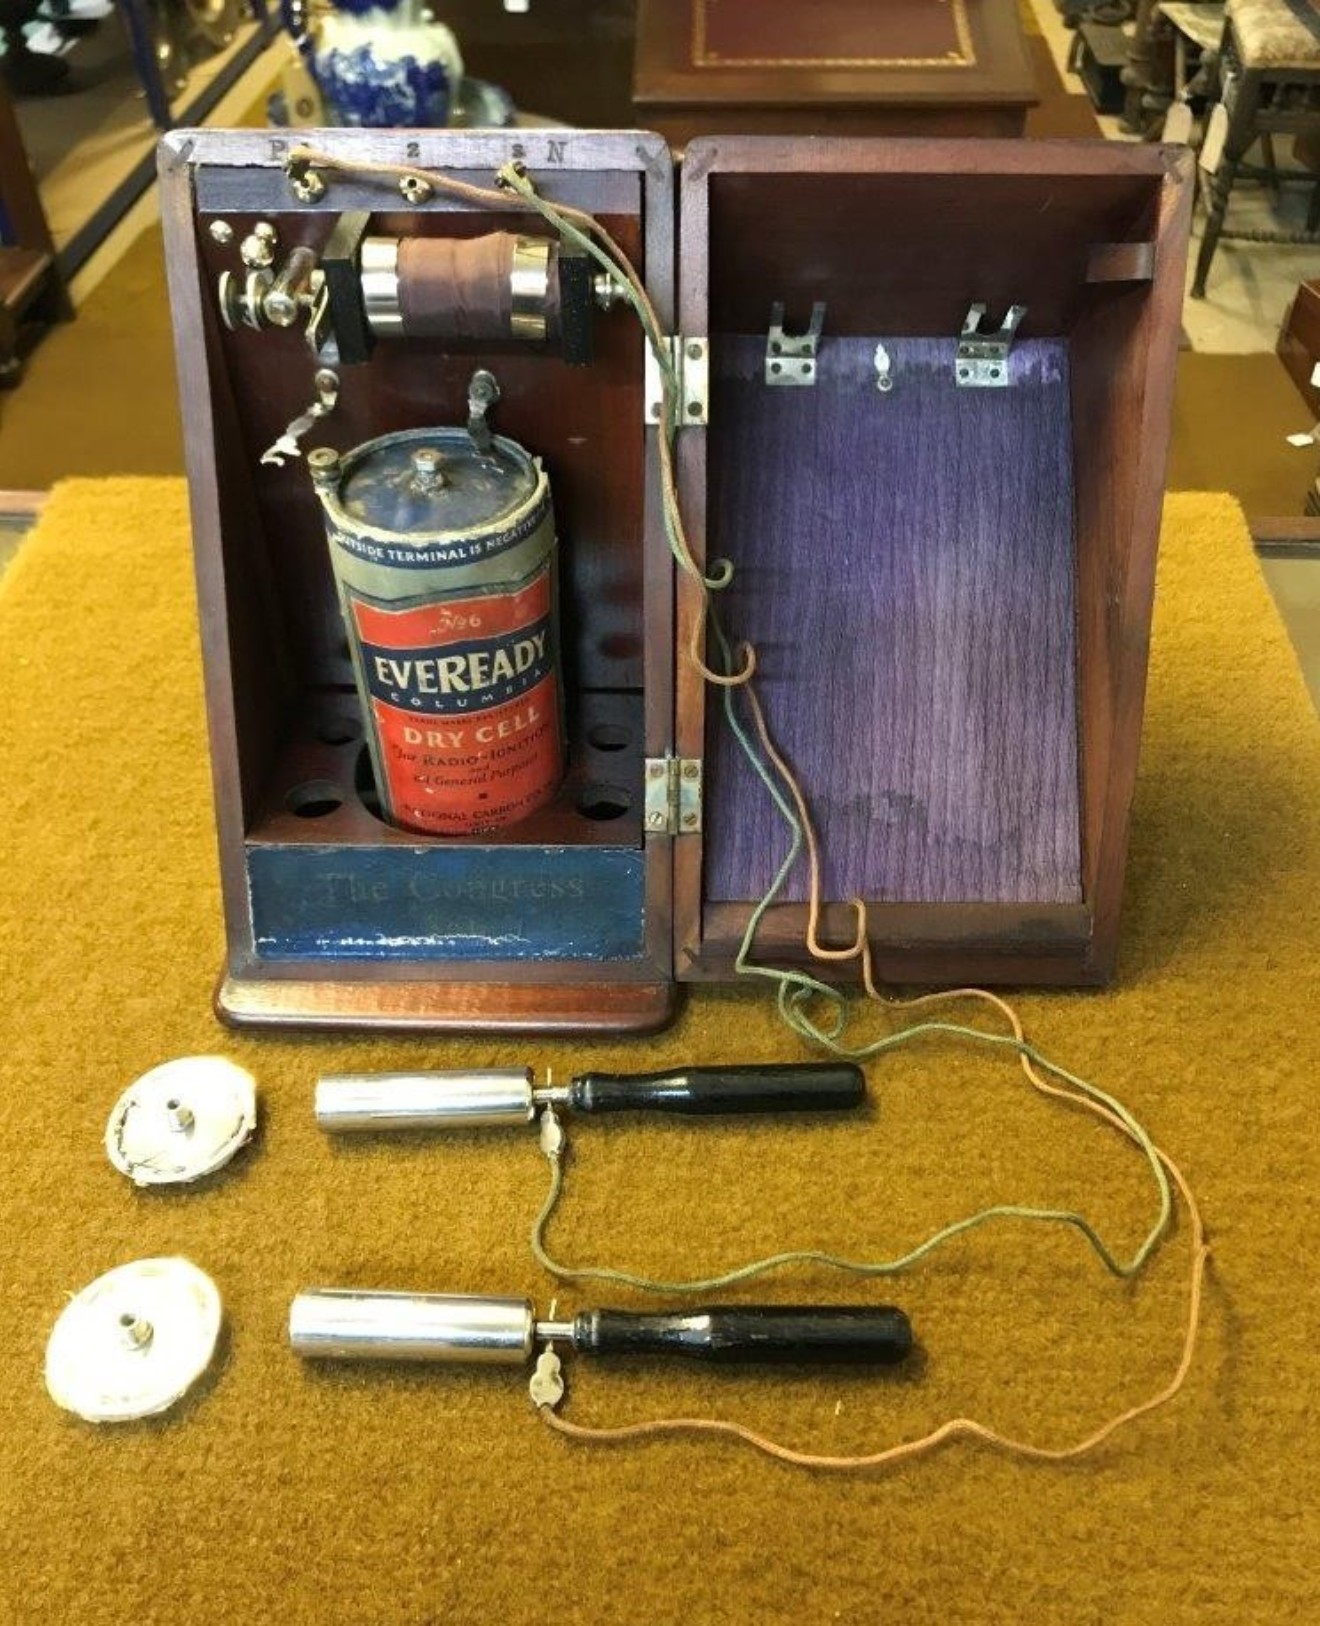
182, 1120
134, 1341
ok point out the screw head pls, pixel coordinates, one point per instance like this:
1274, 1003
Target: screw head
256, 252
309, 188
323, 465
221, 232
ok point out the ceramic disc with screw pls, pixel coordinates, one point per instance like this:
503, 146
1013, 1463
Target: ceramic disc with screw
182, 1120
134, 1341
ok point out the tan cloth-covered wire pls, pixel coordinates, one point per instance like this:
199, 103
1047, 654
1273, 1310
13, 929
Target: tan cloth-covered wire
517, 193
559, 213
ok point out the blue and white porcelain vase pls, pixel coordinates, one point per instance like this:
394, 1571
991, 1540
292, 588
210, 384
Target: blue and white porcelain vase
379, 63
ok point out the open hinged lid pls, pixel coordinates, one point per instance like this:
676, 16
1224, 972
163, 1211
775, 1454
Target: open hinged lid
939, 392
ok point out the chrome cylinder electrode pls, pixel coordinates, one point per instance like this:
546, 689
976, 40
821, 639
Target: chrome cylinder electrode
336, 1324
351, 1102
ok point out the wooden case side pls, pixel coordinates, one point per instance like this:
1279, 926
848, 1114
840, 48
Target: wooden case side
658, 607
198, 410
1124, 357
693, 309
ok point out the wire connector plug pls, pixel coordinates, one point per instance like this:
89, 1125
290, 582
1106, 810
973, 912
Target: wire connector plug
546, 1386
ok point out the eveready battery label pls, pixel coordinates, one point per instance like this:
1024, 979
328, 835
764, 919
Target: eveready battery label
465, 703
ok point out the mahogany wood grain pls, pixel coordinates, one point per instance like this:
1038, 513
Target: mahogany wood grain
324, 748
920, 246
948, 944
573, 1006
1124, 349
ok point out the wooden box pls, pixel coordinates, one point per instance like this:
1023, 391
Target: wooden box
950, 586
835, 67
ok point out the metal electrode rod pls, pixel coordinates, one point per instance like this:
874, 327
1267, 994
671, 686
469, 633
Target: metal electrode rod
349, 1102
340, 1324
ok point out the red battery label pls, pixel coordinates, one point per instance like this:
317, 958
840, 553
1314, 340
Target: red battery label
465, 706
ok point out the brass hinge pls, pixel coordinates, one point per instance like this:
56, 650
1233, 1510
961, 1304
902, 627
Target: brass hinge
673, 796
690, 358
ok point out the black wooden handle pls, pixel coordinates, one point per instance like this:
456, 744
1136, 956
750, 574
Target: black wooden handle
793, 1087
790, 1332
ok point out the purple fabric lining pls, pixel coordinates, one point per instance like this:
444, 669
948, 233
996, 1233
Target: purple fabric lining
905, 567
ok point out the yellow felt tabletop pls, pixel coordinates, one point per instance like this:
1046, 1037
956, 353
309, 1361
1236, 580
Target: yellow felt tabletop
284, 1493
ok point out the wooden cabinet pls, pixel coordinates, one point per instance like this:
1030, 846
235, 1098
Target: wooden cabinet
947, 569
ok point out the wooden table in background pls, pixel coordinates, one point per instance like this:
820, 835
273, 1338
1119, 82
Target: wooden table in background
836, 67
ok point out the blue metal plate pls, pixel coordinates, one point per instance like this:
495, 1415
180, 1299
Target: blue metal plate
447, 903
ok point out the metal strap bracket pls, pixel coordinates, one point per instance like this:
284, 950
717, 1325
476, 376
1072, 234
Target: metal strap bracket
673, 796
790, 358
982, 359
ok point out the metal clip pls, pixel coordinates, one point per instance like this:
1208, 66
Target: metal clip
982, 358
483, 393
547, 1382
552, 1135
884, 375
327, 393
790, 358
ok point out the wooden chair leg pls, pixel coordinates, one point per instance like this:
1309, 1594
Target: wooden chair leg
1241, 134
11, 363
1271, 165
